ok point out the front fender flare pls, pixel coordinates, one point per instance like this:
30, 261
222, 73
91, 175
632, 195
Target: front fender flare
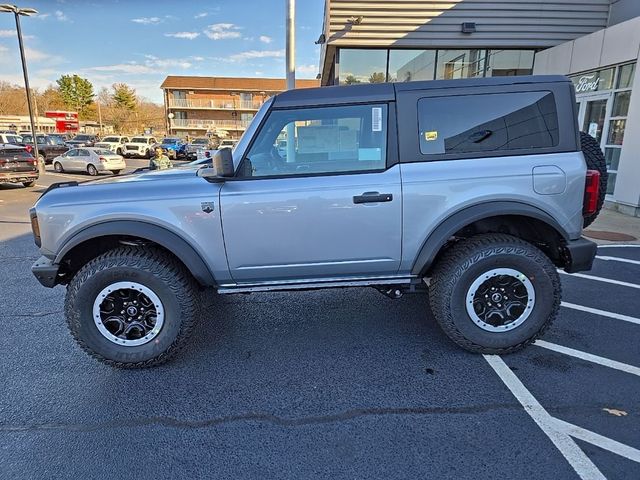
443, 232
147, 231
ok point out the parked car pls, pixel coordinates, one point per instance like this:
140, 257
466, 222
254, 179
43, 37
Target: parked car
92, 160
62, 136
17, 165
476, 189
48, 147
174, 147
227, 143
10, 138
141, 146
198, 143
82, 140
115, 143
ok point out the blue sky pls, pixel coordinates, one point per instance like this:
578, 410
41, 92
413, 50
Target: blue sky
139, 42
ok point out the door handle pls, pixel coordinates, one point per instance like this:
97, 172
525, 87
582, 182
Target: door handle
372, 197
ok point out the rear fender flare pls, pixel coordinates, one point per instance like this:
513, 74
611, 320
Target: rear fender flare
453, 223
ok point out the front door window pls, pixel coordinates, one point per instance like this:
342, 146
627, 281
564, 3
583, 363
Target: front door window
319, 141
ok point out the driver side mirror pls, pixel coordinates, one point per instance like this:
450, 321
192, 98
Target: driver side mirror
223, 163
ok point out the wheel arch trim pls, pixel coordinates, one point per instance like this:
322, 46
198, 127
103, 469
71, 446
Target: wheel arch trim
173, 242
468, 215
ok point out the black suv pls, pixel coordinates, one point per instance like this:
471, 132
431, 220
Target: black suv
17, 165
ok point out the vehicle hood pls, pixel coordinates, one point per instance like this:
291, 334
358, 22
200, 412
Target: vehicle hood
148, 176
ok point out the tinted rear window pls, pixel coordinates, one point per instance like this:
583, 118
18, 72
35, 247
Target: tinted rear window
14, 152
487, 123
138, 140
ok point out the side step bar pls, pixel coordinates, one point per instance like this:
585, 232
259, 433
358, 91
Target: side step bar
314, 285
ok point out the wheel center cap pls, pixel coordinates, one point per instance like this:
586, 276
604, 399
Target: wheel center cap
496, 297
132, 311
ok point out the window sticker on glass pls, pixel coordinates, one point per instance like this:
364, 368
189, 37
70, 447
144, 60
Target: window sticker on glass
376, 119
431, 136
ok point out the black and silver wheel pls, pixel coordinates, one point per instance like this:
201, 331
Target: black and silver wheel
494, 293
57, 166
118, 151
132, 307
92, 170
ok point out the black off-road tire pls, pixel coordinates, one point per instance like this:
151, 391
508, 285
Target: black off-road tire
57, 167
468, 260
156, 270
595, 161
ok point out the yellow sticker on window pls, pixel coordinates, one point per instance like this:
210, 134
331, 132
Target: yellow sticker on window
429, 136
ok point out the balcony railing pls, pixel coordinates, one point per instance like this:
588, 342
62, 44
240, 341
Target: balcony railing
214, 104
195, 124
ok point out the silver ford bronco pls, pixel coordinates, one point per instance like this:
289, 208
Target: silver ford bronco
474, 190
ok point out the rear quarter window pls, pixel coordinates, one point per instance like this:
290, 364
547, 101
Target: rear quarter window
499, 122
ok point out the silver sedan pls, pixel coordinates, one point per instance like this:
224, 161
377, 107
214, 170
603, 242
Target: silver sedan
90, 160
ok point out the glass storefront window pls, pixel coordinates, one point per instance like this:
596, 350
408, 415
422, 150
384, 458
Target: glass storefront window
460, 64
612, 157
621, 104
616, 131
611, 183
625, 76
411, 65
502, 63
594, 81
362, 66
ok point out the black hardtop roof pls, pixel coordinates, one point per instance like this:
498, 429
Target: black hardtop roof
385, 92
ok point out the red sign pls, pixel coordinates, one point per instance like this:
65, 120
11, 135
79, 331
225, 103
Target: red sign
66, 122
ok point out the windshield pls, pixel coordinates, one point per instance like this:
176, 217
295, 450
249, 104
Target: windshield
13, 139
242, 144
56, 141
170, 140
102, 151
138, 140
111, 139
201, 141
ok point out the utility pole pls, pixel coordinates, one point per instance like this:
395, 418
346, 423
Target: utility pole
99, 116
291, 73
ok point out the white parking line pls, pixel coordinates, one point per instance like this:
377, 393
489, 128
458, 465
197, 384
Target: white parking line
603, 313
569, 449
601, 279
620, 246
598, 440
618, 259
589, 357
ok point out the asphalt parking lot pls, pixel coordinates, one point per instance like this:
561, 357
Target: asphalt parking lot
325, 384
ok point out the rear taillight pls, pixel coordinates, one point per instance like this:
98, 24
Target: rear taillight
591, 193
29, 148
35, 227
103, 160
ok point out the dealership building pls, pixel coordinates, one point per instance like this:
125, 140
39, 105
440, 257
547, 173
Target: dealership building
595, 42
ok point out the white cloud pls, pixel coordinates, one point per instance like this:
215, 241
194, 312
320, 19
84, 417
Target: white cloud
166, 63
42, 16
220, 31
147, 20
307, 69
251, 54
265, 39
13, 33
60, 16
123, 68
201, 15
197, 59
186, 35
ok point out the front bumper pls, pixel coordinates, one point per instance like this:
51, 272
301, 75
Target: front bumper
46, 272
580, 255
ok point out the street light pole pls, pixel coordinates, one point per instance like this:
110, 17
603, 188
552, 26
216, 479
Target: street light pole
17, 13
291, 72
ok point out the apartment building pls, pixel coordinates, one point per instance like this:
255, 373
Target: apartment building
224, 106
